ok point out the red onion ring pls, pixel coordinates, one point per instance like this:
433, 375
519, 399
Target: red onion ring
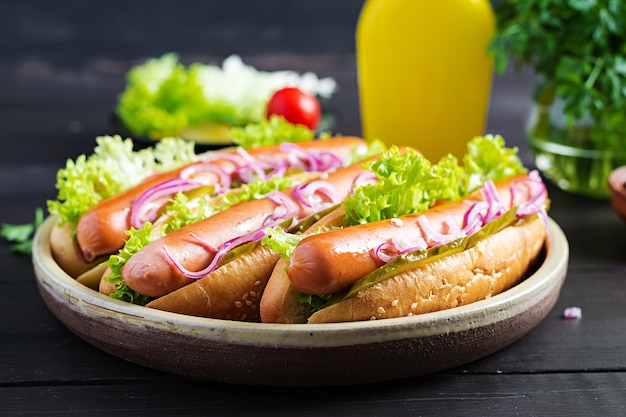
329, 161
536, 202
389, 250
223, 178
365, 177
145, 207
436, 238
285, 209
223, 250
316, 194
253, 170
310, 160
474, 218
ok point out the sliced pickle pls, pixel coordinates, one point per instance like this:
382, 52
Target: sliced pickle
309, 221
418, 258
238, 251
203, 190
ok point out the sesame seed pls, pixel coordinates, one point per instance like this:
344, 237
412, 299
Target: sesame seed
413, 306
248, 302
244, 296
394, 303
253, 293
256, 284
238, 304
380, 310
373, 318
396, 222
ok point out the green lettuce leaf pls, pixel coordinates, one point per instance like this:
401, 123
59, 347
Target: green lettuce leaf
488, 158
281, 241
112, 168
409, 183
274, 131
163, 96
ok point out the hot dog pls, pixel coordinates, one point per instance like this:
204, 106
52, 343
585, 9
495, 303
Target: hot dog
319, 264
232, 291
101, 230
171, 262
466, 249
492, 266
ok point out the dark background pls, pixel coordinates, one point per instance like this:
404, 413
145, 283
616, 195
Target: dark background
54, 54
59, 31
62, 66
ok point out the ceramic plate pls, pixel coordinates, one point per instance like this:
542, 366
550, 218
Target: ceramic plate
301, 355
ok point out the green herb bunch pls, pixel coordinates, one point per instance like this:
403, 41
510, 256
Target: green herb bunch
577, 47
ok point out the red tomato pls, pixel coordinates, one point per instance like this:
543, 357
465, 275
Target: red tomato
296, 106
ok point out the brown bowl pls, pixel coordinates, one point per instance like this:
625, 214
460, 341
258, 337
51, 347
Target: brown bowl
301, 354
617, 183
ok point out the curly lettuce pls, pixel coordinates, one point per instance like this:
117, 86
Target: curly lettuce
112, 168
488, 158
281, 241
409, 183
274, 131
137, 239
164, 97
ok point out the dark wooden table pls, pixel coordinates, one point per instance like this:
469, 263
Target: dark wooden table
51, 110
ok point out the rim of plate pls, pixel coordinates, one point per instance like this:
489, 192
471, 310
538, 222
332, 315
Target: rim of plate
481, 313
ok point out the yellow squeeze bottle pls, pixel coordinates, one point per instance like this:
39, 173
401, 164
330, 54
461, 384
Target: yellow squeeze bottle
424, 72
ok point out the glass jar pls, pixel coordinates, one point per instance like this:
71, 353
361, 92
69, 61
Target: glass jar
571, 154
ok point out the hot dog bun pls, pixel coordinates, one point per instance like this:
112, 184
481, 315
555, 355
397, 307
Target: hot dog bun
66, 252
279, 303
231, 292
329, 263
234, 290
495, 264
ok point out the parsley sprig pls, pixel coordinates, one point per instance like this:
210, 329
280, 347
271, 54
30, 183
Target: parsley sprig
578, 47
21, 235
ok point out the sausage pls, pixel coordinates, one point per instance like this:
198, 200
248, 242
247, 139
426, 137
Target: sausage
151, 272
329, 262
102, 229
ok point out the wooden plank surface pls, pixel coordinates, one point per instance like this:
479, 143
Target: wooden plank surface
559, 394
59, 79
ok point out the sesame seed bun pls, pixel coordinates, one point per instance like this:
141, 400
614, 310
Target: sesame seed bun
495, 264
